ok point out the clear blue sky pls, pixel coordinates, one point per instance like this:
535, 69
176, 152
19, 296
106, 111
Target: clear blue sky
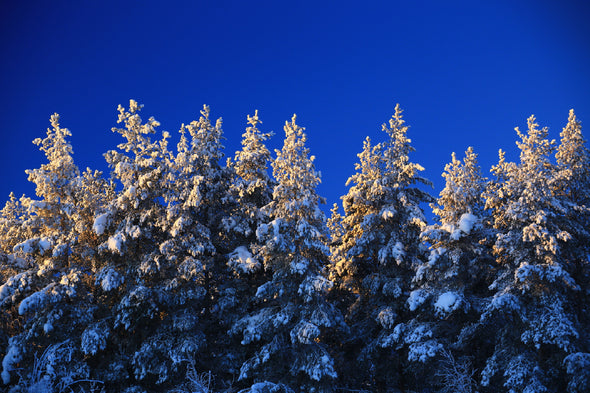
465, 72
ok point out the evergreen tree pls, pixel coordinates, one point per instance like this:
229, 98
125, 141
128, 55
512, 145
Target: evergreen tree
533, 314
251, 187
455, 277
375, 257
12, 228
249, 191
573, 159
573, 184
49, 293
147, 281
154, 254
291, 320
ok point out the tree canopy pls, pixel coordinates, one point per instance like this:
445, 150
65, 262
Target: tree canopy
182, 272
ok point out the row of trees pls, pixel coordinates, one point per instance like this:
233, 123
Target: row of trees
179, 273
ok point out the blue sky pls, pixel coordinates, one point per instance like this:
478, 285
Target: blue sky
465, 72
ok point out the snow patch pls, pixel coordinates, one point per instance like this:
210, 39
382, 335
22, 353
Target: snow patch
12, 357
387, 317
44, 244
304, 332
447, 303
109, 279
299, 265
395, 251
94, 339
312, 286
41, 244
467, 222
242, 261
115, 242
100, 223
416, 298
35, 301
435, 254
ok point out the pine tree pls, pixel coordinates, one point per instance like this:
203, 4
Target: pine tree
252, 187
457, 258
291, 320
573, 184
55, 182
153, 256
573, 159
456, 275
12, 228
533, 314
249, 191
378, 250
50, 292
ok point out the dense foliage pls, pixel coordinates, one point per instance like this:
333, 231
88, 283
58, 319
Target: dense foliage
179, 273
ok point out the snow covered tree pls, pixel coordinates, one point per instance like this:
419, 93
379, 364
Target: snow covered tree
252, 187
291, 320
573, 184
55, 182
49, 292
534, 314
457, 258
375, 257
573, 159
455, 277
249, 191
203, 209
152, 263
12, 228
463, 188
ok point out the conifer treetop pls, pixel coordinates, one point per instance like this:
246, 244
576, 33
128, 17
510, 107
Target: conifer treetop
464, 184
53, 178
296, 176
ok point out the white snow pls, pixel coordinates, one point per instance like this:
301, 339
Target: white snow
131, 192
12, 357
264, 289
47, 266
40, 244
25, 247
387, 317
47, 327
115, 242
242, 260
312, 286
447, 302
416, 298
397, 252
299, 265
34, 301
466, 222
14, 285
44, 244
60, 250
133, 231
422, 351
94, 339
435, 254
456, 234
110, 279
305, 333
190, 268
264, 387
179, 225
